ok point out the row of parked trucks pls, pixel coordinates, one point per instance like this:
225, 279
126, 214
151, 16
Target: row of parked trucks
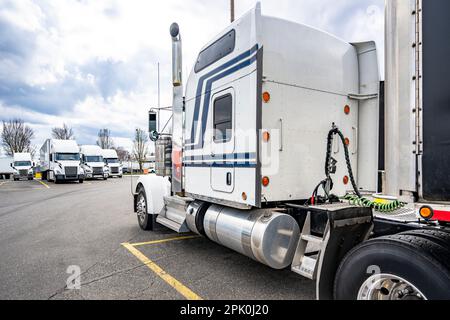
64, 160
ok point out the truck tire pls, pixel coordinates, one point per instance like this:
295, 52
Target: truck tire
439, 237
145, 220
398, 267
81, 181
44, 176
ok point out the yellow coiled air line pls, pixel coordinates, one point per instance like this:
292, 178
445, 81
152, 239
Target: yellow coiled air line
380, 207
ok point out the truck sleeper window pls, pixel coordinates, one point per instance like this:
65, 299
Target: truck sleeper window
223, 118
219, 49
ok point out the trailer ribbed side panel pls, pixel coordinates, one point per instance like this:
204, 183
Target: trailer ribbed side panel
436, 100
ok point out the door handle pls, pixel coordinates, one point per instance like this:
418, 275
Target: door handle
229, 179
281, 135
356, 140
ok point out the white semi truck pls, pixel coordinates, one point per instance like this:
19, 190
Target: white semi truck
284, 149
112, 162
92, 162
60, 161
6, 170
23, 166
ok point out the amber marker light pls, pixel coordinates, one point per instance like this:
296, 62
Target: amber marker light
265, 181
426, 213
266, 136
347, 141
347, 109
346, 180
266, 97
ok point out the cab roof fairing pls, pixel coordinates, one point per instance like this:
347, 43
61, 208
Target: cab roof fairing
64, 146
91, 151
294, 54
109, 154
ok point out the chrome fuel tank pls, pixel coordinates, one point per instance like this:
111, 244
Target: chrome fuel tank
263, 235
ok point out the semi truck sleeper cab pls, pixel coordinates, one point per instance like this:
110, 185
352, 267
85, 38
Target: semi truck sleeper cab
265, 104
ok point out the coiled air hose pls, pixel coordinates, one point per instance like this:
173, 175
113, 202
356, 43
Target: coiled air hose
355, 199
380, 207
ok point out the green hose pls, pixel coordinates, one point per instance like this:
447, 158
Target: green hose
380, 207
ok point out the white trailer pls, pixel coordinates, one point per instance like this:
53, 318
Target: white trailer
60, 161
23, 166
6, 170
92, 162
115, 168
277, 152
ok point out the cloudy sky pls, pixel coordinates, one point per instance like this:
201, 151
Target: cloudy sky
93, 64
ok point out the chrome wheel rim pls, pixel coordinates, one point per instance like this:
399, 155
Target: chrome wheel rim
141, 207
389, 287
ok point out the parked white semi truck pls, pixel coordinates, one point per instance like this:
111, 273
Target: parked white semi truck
281, 142
6, 170
60, 161
92, 162
23, 166
112, 163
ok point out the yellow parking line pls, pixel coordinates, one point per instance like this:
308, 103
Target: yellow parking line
43, 183
174, 283
4, 182
163, 241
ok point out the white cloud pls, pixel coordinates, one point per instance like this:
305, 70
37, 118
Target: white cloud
107, 52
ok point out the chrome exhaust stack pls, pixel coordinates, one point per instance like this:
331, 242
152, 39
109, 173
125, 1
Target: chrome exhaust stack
177, 63
177, 110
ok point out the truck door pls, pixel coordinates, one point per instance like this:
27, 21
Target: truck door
223, 140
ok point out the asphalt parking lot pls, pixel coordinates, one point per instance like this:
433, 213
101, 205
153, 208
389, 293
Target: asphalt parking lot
47, 231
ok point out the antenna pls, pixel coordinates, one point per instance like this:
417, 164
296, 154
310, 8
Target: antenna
232, 10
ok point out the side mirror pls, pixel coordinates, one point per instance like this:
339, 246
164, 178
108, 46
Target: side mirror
153, 125
11, 165
34, 164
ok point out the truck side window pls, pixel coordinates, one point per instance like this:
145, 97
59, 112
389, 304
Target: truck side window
219, 49
223, 118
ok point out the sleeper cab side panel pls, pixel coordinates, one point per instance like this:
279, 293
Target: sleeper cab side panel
308, 74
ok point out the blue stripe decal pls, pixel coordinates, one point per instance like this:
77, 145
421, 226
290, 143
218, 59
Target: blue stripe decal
200, 89
233, 156
220, 165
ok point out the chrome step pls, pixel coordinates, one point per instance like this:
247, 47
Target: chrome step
172, 225
303, 264
173, 216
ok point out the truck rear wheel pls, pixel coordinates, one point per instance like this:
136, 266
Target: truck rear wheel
398, 267
439, 237
146, 221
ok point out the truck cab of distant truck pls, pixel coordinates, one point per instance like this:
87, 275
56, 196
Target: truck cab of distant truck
112, 163
93, 163
22, 166
60, 161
